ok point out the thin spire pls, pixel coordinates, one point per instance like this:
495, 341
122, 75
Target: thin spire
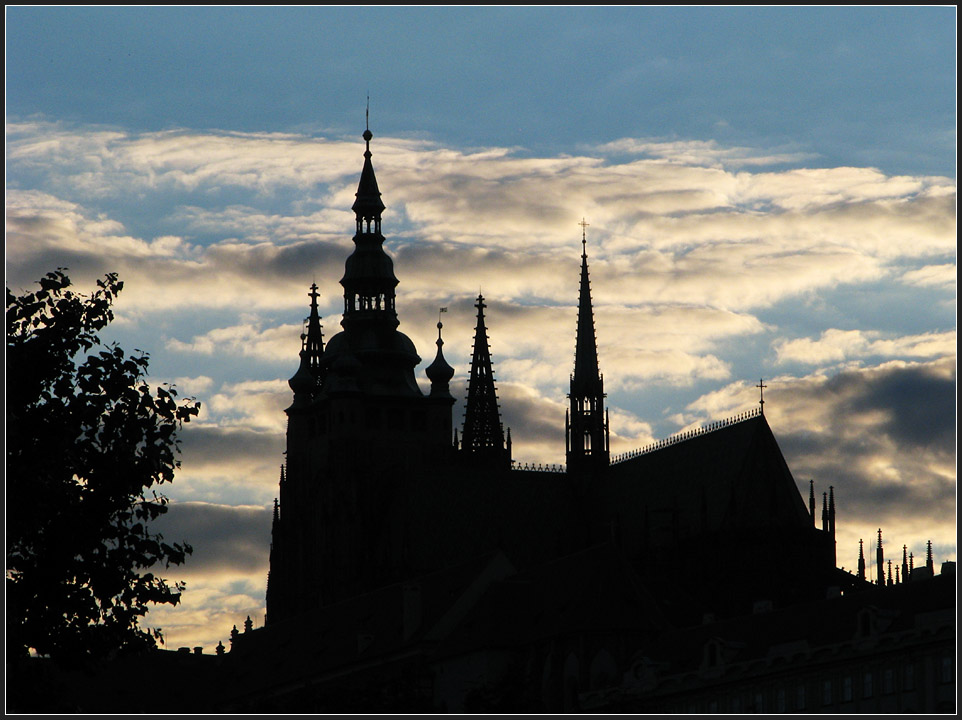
861, 561
880, 560
811, 499
586, 347
929, 562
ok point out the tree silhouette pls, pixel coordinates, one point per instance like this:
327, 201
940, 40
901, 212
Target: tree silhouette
87, 441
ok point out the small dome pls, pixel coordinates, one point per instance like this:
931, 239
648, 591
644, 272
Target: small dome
439, 372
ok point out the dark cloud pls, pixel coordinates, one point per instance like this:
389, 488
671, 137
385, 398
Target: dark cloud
205, 445
921, 402
225, 539
885, 438
531, 418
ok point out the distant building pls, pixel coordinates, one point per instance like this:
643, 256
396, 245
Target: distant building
413, 568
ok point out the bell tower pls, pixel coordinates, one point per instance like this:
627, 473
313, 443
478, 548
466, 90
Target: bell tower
359, 429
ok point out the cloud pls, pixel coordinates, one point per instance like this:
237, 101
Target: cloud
678, 232
226, 574
236, 462
939, 276
701, 152
275, 344
835, 346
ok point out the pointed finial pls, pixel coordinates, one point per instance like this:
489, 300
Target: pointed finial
367, 126
584, 238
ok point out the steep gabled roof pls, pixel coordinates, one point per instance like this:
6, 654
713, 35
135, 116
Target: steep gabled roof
734, 477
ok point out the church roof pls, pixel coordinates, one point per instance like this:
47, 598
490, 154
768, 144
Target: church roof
732, 477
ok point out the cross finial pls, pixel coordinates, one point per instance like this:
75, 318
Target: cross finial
761, 389
367, 113
583, 225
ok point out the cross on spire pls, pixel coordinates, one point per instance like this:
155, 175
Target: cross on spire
584, 239
761, 400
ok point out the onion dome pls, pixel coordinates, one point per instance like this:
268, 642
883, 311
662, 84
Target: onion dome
439, 372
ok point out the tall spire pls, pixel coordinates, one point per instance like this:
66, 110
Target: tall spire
483, 436
905, 563
586, 349
586, 431
811, 499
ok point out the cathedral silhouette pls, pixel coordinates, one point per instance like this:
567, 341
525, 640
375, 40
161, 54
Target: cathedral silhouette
413, 568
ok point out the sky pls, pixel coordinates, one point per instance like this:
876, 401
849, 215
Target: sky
770, 194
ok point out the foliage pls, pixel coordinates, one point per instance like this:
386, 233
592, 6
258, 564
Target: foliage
87, 442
